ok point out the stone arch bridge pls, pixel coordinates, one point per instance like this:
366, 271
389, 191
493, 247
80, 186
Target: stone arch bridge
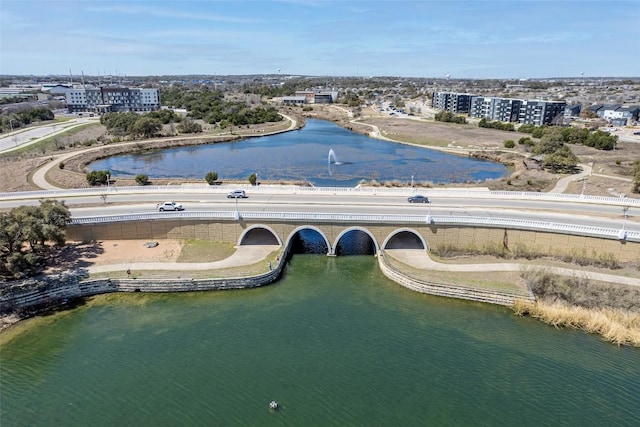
383, 235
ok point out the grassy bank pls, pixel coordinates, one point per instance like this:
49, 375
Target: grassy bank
618, 326
610, 310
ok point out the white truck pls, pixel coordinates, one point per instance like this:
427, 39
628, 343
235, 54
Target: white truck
169, 206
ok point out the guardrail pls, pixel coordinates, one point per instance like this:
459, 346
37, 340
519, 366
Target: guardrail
292, 189
434, 220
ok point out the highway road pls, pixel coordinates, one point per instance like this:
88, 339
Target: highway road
577, 213
19, 138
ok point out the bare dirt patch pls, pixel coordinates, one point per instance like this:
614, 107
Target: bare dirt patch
79, 255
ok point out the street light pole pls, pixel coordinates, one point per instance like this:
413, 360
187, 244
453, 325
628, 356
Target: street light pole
623, 233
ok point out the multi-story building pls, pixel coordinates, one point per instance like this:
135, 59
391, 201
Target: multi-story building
450, 101
482, 106
541, 112
502, 109
311, 97
107, 99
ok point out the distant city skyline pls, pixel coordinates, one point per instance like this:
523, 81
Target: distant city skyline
516, 39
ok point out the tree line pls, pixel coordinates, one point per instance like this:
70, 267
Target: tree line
214, 108
18, 119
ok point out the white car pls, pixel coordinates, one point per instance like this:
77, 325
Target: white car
169, 206
237, 194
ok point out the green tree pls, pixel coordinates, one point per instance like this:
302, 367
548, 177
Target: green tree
561, 161
253, 178
24, 233
189, 126
211, 177
146, 127
142, 179
550, 142
119, 124
97, 177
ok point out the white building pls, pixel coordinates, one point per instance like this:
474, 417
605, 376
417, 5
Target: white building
107, 99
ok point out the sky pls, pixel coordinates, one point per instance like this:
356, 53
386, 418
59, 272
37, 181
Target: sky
421, 38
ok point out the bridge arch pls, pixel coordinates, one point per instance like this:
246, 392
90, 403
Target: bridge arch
405, 238
259, 234
376, 247
295, 231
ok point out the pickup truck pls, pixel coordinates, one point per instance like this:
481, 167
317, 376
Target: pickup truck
169, 206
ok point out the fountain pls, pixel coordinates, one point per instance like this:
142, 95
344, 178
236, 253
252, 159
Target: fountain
332, 157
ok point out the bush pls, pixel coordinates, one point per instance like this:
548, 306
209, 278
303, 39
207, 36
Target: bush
253, 178
447, 116
211, 177
61, 165
142, 179
508, 143
97, 177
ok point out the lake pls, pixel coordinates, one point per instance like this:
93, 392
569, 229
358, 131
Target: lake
322, 153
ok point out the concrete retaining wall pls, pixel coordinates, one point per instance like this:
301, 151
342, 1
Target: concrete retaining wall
31, 296
451, 291
434, 235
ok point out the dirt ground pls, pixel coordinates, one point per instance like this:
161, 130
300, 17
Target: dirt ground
78, 255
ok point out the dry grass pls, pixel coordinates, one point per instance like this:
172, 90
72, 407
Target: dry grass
616, 326
205, 251
509, 282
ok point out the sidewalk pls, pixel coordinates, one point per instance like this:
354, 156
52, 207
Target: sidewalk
244, 255
420, 259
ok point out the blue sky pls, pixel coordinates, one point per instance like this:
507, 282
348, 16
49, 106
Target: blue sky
466, 39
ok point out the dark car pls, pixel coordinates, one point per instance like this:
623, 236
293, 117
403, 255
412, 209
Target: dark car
418, 199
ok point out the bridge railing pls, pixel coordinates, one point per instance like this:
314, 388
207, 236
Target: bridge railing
433, 220
293, 189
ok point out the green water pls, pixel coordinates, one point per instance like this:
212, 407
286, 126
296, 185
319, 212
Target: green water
334, 342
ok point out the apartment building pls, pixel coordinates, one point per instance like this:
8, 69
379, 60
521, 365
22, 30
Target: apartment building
541, 112
450, 101
116, 99
502, 109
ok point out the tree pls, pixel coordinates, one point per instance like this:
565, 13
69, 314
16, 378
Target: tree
97, 177
24, 232
211, 177
146, 127
561, 161
189, 126
142, 179
509, 143
550, 142
253, 178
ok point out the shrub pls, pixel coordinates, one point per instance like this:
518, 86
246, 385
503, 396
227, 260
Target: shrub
97, 177
142, 179
508, 143
211, 177
253, 178
61, 165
